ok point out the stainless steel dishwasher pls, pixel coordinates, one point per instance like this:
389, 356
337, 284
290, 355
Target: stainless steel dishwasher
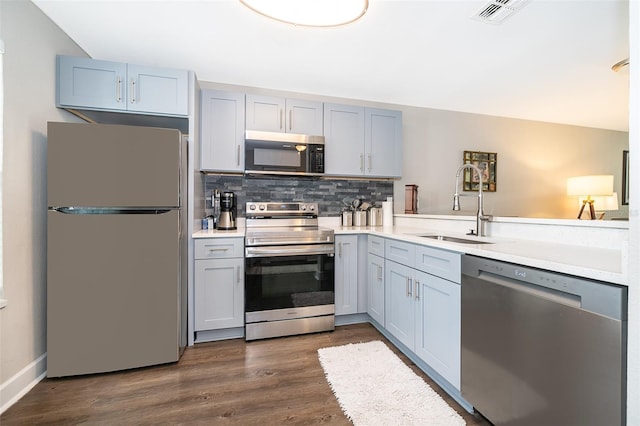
542, 348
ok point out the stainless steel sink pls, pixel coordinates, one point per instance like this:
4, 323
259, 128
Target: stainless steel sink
454, 239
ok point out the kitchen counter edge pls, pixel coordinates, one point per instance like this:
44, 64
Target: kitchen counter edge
593, 263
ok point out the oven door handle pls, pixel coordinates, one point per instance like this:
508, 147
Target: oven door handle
295, 250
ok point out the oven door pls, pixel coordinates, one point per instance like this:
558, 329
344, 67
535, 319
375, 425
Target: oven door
290, 282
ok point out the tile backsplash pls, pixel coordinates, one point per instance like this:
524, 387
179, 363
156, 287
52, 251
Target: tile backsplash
327, 193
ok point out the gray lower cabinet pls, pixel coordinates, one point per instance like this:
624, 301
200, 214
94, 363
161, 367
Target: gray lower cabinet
399, 307
85, 83
437, 334
222, 131
346, 274
422, 304
375, 279
219, 283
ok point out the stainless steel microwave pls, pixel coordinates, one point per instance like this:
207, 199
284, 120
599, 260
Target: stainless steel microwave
283, 153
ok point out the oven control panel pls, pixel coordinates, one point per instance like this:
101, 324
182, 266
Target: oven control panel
271, 208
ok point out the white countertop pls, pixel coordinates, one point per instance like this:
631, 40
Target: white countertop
583, 261
595, 263
215, 233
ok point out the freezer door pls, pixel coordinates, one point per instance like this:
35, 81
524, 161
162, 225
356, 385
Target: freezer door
112, 292
101, 165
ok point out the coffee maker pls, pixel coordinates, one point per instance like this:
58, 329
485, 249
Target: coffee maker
228, 211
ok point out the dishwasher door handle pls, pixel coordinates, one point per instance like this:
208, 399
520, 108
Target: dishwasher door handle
557, 296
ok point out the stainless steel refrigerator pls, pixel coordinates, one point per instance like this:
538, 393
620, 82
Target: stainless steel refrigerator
116, 247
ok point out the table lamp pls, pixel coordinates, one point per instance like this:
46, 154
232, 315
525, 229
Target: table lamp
588, 187
603, 204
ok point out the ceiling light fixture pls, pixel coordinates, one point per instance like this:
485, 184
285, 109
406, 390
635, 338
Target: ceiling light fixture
310, 13
619, 65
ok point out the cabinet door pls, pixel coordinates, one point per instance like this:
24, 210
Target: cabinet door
344, 139
157, 90
304, 117
222, 131
346, 274
265, 113
383, 143
438, 325
399, 307
219, 294
375, 292
90, 83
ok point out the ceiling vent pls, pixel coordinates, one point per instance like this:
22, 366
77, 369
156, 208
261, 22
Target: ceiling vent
496, 11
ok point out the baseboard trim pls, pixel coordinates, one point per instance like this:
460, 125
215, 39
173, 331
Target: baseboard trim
215, 335
22, 382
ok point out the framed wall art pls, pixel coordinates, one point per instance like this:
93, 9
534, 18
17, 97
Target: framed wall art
486, 162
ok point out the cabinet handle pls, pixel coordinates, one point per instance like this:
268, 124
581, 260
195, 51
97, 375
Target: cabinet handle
238, 156
238, 274
281, 116
370, 163
379, 273
218, 249
362, 162
340, 250
133, 91
290, 119
118, 89
416, 290
408, 287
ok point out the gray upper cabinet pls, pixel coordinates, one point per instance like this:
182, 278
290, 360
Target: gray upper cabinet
344, 140
383, 142
86, 83
222, 131
362, 141
273, 114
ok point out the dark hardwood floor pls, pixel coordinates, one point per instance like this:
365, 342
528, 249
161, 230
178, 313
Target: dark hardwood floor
265, 382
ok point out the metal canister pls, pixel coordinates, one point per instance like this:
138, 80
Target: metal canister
374, 216
359, 218
347, 218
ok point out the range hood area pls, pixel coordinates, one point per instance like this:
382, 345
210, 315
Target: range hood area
294, 138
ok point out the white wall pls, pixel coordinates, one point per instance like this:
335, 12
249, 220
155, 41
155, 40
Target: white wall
633, 352
31, 44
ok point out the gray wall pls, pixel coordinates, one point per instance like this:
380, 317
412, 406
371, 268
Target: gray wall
31, 44
533, 163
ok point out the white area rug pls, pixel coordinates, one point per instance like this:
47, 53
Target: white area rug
374, 387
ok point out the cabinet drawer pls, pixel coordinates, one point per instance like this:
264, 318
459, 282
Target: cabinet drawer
212, 248
400, 252
441, 263
376, 245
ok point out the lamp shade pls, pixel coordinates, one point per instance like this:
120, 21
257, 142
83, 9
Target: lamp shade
593, 185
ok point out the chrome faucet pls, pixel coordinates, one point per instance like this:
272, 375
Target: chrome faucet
481, 218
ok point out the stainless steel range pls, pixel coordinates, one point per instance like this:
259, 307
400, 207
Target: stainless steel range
289, 271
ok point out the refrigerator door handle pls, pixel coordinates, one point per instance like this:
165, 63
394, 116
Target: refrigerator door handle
112, 210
